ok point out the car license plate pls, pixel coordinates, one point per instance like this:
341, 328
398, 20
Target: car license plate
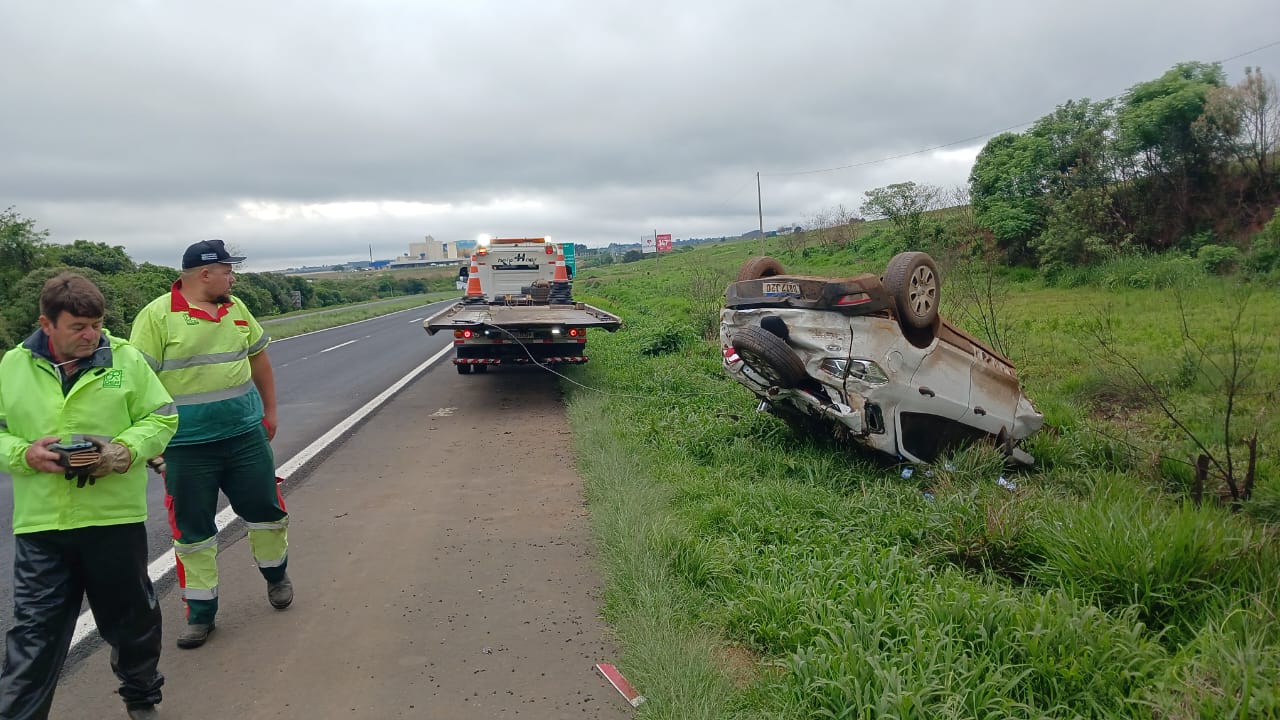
772, 289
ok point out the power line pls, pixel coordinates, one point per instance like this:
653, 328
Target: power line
1249, 52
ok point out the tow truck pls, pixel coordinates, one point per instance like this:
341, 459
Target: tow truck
518, 309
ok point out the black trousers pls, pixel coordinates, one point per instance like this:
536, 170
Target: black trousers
52, 572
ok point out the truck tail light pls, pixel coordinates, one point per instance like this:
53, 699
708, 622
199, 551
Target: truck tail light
464, 334
577, 332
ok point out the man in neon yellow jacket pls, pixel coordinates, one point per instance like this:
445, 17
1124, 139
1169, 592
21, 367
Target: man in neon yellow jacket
211, 354
71, 381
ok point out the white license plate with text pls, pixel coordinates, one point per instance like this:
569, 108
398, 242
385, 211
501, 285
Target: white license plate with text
781, 288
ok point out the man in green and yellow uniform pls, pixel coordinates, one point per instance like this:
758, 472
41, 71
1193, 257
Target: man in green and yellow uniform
211, 355
79, 527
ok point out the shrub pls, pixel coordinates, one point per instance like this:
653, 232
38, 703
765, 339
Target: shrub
1264, 253
669, 338
1218, 259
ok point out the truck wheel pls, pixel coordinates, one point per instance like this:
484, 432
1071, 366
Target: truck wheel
481, 369
912, 280
759, 267
463, 369
770, 356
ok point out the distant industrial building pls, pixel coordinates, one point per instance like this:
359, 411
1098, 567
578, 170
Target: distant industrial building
434, 252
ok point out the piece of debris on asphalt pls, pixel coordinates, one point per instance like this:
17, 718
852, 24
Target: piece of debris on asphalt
620, 684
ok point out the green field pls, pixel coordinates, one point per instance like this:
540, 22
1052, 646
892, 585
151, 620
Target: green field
751, 573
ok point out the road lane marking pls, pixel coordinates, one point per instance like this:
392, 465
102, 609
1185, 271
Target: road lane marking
335, 347
163, 565
357, 322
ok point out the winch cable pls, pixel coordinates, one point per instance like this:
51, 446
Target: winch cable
551, 370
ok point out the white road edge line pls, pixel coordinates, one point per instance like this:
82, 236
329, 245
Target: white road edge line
164, 564
335, 347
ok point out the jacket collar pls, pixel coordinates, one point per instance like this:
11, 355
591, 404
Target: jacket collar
38, 344
178, 303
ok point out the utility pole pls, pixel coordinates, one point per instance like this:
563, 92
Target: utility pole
760, 212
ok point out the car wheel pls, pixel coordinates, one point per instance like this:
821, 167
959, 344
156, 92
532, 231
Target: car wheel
463, 369
759, 267
769, 356
912, 280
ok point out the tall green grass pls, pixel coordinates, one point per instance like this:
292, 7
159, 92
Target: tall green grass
756, 573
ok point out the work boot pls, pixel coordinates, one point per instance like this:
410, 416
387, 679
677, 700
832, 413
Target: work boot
144, 712
194, 635
280, 593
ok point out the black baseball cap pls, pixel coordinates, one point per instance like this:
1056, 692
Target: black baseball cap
207, 252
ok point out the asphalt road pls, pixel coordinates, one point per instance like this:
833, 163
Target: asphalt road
444, 568
321, 378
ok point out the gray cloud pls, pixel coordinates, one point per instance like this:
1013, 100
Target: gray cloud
151, 125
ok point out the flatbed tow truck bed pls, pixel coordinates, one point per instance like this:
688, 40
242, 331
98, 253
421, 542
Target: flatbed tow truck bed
477, 315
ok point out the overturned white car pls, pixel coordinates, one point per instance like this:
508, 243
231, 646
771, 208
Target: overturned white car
869, 359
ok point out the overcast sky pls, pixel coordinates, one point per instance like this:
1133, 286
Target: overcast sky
306, 132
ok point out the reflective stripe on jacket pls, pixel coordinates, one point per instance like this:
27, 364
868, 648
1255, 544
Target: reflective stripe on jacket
203, 362
119, 399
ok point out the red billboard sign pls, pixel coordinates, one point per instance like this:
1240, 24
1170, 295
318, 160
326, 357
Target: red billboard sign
664, 243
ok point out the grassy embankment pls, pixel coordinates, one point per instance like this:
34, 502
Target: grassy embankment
751, 573
305, 321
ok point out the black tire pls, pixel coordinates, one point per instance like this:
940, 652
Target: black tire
463, 369
912, 280
769, 356
759, 267
481, 369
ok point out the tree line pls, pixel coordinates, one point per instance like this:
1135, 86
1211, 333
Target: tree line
28, 259
1185, 162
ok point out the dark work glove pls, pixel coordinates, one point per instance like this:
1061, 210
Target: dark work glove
78, 464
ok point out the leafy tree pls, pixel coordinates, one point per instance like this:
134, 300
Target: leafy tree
632, 256
257, 299
1157, 131
22, 312
1008, 188
1071, 236
104, 258
21, 247
903, 205
1244, 119
302, 286
137, 288
1017, 179
1075, 150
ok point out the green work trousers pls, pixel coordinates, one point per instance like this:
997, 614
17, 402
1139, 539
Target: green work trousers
242, 467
